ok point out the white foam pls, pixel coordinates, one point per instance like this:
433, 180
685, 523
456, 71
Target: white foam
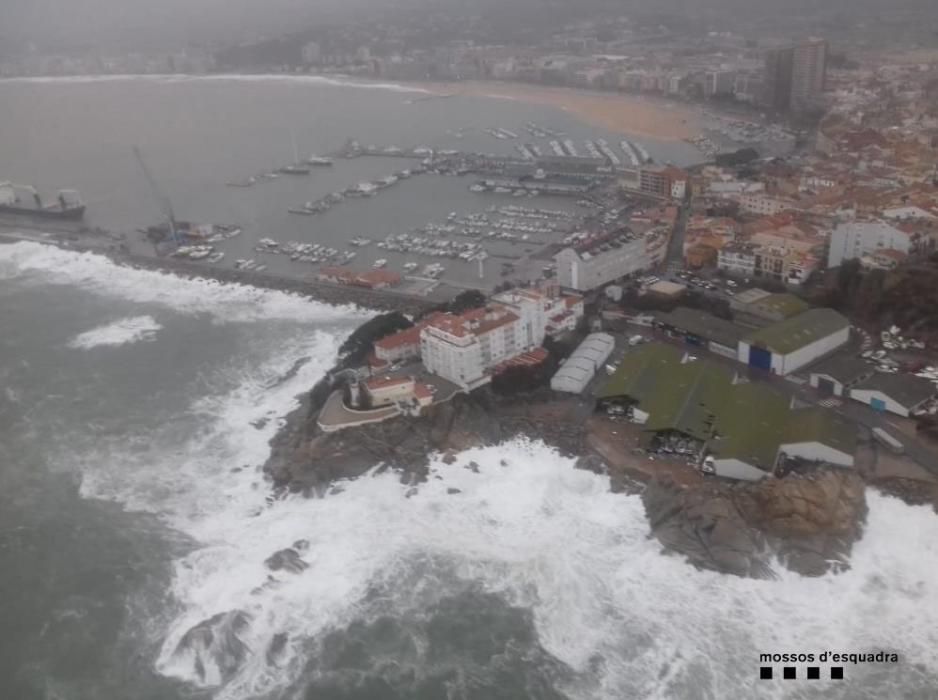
543, 535
125, 331
223, 301
535, 530
339, 81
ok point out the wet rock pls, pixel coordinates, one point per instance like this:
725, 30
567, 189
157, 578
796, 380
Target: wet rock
809, 522
276, 648
215, 644
286, 560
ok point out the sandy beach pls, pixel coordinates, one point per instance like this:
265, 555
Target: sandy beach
626, 114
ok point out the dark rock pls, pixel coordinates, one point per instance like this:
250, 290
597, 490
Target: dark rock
286, 560
810, 522
276, 648
452, 491
217, 642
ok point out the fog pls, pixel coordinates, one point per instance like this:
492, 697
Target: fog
160, 24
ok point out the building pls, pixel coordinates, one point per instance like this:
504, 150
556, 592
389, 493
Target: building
786, 346
699, 328
373, 279
758, 307
579, 369
736, 429
663, 181
387, 391
403, 345
543, 311
596, 261
737, 259
759, 203
666, 289
795, 76
856, 239
719, 83
836, 375
808, 74
311, 53
465, 348
902, 394
776, 81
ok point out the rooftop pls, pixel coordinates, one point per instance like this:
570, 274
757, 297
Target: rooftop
785, 305
846, 369
798, 331
703, 325
907, 389
745, 421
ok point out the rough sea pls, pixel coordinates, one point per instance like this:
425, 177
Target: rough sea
135, 414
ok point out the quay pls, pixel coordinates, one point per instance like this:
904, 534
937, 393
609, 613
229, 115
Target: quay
328, 293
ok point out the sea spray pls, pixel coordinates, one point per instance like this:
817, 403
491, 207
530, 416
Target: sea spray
521, 524
122, 332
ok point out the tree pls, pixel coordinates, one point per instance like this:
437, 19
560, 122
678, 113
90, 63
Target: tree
357, 346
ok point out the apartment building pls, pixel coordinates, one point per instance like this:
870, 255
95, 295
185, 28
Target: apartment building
589, 265
463, 348
858, 239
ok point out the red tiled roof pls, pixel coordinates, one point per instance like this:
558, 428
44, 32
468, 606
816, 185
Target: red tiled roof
411, 336
527, 359
422, 391
474, 321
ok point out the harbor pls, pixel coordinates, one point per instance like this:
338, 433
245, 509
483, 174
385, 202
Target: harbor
436, 200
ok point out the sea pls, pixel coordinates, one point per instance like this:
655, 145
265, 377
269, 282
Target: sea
135, 521
197, 134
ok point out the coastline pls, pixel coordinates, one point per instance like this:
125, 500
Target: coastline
629, 115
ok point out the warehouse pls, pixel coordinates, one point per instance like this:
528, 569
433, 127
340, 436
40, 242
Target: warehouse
735, 429
835, 375
902, 394
580, 368
718, 335
758, 307
789, 345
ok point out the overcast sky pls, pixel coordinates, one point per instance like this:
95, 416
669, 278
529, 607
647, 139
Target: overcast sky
145, 20
153, 24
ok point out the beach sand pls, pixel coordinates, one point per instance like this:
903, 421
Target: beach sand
625, 114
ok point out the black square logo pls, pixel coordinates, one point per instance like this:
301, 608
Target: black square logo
837, 673
765, 673
814, 672
789, 672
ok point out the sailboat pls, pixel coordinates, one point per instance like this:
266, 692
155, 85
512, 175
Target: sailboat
295, 168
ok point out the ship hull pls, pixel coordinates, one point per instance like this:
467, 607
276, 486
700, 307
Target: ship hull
71, 214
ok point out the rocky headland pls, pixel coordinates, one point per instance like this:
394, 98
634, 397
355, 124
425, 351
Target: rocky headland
807, 521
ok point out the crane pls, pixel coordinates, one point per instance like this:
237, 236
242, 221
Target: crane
162, 200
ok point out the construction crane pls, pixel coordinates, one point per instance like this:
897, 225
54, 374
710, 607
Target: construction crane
162, 200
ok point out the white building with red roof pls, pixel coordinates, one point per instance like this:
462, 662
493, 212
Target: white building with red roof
464, 348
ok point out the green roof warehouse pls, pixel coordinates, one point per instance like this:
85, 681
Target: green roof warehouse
738, 429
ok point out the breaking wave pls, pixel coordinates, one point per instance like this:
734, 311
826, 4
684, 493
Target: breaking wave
224, 77
123, 332
225, 302
367, 583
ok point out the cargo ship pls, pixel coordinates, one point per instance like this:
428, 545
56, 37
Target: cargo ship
67, 204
